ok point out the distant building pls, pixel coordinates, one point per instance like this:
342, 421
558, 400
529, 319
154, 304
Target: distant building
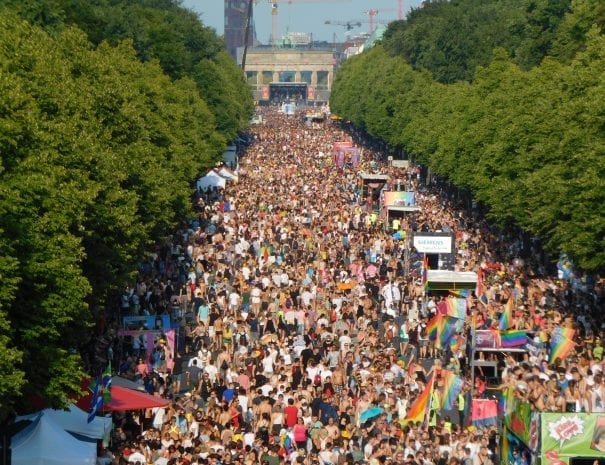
236, 12
284, 74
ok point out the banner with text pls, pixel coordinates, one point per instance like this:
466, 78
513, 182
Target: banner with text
570, 435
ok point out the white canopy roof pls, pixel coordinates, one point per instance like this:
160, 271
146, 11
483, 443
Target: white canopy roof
227, 173
211, 179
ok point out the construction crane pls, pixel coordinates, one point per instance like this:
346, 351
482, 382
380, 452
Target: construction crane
373, 12
348, 25
275, 10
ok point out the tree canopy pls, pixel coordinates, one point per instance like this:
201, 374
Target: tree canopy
100, 150
452, 38
528, 142
159, 30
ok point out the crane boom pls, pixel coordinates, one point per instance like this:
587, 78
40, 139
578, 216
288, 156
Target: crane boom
274, 12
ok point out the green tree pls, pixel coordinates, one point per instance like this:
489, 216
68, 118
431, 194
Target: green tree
100, 151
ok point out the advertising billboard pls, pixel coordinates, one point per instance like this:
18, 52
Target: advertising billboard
432, 243
399, 199
567, 437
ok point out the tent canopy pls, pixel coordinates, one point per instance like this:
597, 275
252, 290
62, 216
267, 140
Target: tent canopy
124, 399
74, 420
44, 442
227, 173
127, 399
211, 179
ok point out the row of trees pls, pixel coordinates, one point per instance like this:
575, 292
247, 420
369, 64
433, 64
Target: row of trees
530, 144
452, 38
100, 148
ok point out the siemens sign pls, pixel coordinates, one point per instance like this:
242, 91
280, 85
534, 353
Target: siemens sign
433, 244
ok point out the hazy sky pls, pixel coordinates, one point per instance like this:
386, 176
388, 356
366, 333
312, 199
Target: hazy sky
305, 15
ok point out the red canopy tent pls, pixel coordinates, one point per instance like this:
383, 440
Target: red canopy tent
124, 399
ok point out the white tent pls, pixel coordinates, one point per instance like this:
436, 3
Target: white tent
227, 174
212, 179
45, 443
75, 420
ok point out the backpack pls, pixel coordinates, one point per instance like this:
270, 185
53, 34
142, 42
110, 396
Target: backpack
317, 379
243, 341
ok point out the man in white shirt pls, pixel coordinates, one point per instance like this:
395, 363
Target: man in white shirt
306, 296
234, 301
391, 295
212, 372
344, 342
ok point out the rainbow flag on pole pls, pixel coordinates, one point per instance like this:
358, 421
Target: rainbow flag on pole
419, 409
513, 338
560, 346
432, 327
567, 332
446, 331
456, 307
506, 319
452, 386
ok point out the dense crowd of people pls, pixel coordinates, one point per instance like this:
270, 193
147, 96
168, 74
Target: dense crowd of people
303, 335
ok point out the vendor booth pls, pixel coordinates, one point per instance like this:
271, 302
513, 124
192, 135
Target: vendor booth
125, 399
228, 174
211, 180
45, 442
74, 420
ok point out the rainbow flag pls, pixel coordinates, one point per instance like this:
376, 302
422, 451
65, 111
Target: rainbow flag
567, 332
513, 338
456, 307
460, 293
452, 386
419, 409
506, 319
456, 343
432, 327
560, 345
445, 332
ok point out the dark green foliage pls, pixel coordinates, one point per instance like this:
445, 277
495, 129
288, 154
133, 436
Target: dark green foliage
450, 39
530, 144
99, 154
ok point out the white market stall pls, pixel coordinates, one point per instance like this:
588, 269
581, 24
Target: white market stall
211, 179
74, 420
44, 442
